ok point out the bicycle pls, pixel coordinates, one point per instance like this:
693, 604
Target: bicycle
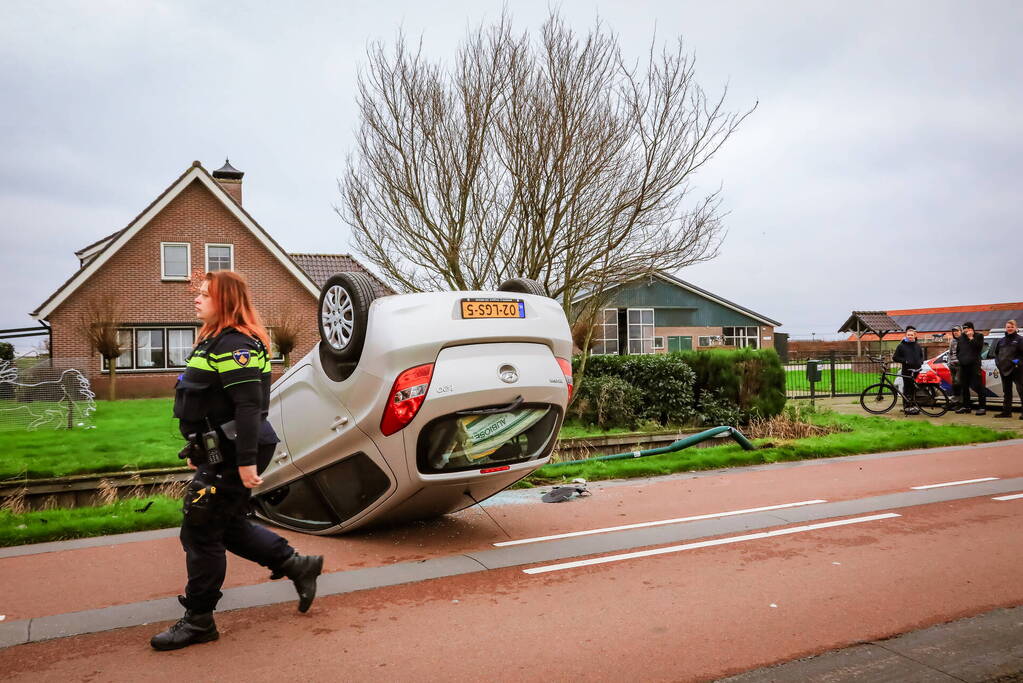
881, 397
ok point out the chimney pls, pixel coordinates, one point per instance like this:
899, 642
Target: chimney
230, 178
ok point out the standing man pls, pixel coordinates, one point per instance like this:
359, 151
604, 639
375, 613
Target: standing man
968, 351
953, 363
1008, 352
911, 356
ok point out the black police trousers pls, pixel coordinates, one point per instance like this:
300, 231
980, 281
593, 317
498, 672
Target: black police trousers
215, 521
969, 378
1007, 382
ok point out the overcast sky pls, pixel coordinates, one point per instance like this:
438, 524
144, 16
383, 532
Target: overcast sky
881, 170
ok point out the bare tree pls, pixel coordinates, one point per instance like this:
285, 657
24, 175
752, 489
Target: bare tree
285, 325
97, 323
551, 158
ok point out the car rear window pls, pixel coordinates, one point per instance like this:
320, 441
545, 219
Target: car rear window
460, 442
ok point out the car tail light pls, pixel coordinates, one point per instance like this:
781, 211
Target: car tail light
929, 377
406, 397
566, 370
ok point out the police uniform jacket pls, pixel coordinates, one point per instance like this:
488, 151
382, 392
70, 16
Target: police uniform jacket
227, 378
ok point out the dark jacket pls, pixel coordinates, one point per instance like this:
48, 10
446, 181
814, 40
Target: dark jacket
953, 357
227, 378
1007, 352
910, 354
969, 351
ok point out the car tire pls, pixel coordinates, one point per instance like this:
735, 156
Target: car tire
522, 285
343, 315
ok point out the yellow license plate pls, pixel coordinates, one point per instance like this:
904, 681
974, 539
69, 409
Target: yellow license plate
493, 308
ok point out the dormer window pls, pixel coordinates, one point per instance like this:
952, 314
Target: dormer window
175, 258
219, 257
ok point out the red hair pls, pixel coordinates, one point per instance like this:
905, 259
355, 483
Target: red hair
233, 305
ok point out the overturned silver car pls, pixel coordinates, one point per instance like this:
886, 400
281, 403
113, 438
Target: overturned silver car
415, 405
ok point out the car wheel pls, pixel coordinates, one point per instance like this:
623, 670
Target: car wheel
522, 285
344, 314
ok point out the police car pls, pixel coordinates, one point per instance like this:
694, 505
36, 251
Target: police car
937, 371
412, 406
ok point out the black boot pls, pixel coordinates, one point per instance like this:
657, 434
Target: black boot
194, 627
302, 570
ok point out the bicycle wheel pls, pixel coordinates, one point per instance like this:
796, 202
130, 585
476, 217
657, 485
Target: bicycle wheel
879, 398
932, 400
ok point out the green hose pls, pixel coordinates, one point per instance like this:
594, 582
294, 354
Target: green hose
670, 448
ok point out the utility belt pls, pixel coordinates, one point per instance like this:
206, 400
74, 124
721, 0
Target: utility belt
207, 447
203, 448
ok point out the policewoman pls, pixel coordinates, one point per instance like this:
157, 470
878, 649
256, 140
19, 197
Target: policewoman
221, 402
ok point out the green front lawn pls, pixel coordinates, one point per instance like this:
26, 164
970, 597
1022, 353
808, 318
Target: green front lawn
128, 435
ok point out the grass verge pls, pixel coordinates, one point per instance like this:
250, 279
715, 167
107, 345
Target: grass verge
865, 435
123, 516
129, 435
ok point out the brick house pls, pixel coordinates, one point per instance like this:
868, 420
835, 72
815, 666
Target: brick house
197, 224
659, 313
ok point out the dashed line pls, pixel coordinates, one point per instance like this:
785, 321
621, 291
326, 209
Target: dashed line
640, 525
706, 544
1012, 497
953, 483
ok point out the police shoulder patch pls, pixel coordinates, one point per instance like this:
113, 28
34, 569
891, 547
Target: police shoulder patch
241, 356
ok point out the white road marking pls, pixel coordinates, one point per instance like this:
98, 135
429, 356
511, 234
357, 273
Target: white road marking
1012, 497
706, 544
640, 525
953, 483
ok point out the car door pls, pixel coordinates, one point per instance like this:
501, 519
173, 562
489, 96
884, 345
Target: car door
992, 378
312, 417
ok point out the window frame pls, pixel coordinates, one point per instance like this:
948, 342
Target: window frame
206, 249
659, 347
603, 339
133, 331
741, 333
643, 327
163, 262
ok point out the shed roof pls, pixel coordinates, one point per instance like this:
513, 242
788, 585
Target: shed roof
878, 322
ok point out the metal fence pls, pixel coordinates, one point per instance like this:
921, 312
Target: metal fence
40, 393
839, 376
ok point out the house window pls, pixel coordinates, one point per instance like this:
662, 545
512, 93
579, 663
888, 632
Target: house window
153, 348
714, 340
175, 258
658, 343
606, 341
641, 330
219, 257
124, 360
741, 337
179, 345
149, 350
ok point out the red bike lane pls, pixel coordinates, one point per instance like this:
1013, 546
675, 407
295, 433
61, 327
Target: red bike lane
690, 615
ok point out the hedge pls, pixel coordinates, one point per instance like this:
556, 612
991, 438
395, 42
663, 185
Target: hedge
665, 385
752, 379
706, 387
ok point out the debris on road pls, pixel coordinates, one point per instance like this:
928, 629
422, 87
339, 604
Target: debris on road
560, 494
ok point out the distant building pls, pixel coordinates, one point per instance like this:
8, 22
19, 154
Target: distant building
197, 224
935, 324
659, 313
